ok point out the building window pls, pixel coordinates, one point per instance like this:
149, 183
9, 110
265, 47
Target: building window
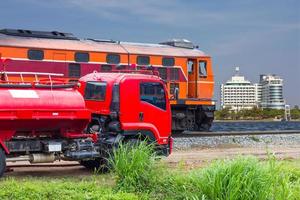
154, 94
162, 73
105, 68
143, 60
35, 54
74, 70
168, 61
174, 74
113, 58
202, 69
82, 57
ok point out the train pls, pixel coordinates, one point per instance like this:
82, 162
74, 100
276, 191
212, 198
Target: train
186, 70
48, 119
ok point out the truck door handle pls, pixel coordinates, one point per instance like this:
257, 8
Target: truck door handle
141, 116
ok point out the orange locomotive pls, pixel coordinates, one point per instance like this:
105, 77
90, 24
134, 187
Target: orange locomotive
186, 70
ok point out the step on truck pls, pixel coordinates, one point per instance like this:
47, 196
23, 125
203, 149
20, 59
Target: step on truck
47, 119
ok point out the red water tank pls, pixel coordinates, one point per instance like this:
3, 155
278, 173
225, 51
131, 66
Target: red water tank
41, 110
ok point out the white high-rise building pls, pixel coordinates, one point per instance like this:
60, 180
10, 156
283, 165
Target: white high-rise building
238, 93
271, 92
258, 94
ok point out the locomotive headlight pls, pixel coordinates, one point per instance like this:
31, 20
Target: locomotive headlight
78, 85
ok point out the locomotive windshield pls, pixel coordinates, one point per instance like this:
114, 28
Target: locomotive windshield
95, 91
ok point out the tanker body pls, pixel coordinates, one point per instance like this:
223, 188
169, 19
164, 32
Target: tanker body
25, 109
43, 121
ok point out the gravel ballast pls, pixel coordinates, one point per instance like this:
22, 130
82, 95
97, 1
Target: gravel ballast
259, 141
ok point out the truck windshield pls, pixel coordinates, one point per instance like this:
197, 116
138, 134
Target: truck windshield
95, 91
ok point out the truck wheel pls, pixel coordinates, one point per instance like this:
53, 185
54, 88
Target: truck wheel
99, 164
2, 162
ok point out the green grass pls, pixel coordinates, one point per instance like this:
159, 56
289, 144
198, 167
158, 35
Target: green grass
134, 167
137, 174
29, 189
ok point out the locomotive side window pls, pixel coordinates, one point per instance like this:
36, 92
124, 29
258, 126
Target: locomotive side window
143, 60
113, 58
202, 69
35, 54
82, 57
74, 70
162, 72
154, 94
190, 66
174, 75
105, 68
95, 91
168, 61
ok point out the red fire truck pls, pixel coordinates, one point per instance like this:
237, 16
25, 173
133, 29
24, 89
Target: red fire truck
48, 120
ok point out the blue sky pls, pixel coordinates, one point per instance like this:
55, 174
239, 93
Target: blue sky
258, 36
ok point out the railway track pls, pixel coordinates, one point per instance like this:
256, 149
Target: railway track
231, 133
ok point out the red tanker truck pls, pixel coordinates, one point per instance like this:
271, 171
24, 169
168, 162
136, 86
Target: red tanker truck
47, 119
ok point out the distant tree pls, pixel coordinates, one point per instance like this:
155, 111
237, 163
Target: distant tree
254, 114
222, 114
272, 113
257, 113
295, 113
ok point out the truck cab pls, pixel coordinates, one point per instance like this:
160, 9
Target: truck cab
128, 106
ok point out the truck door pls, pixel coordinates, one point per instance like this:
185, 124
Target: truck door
154, 106
145, 105
193, 78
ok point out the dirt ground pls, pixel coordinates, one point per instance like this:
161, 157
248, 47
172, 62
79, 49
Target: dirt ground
201, 157
188, 158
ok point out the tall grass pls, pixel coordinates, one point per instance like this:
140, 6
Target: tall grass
242, 178
133, 166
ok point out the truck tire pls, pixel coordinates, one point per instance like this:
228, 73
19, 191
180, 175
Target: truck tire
99, 165
2, 162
